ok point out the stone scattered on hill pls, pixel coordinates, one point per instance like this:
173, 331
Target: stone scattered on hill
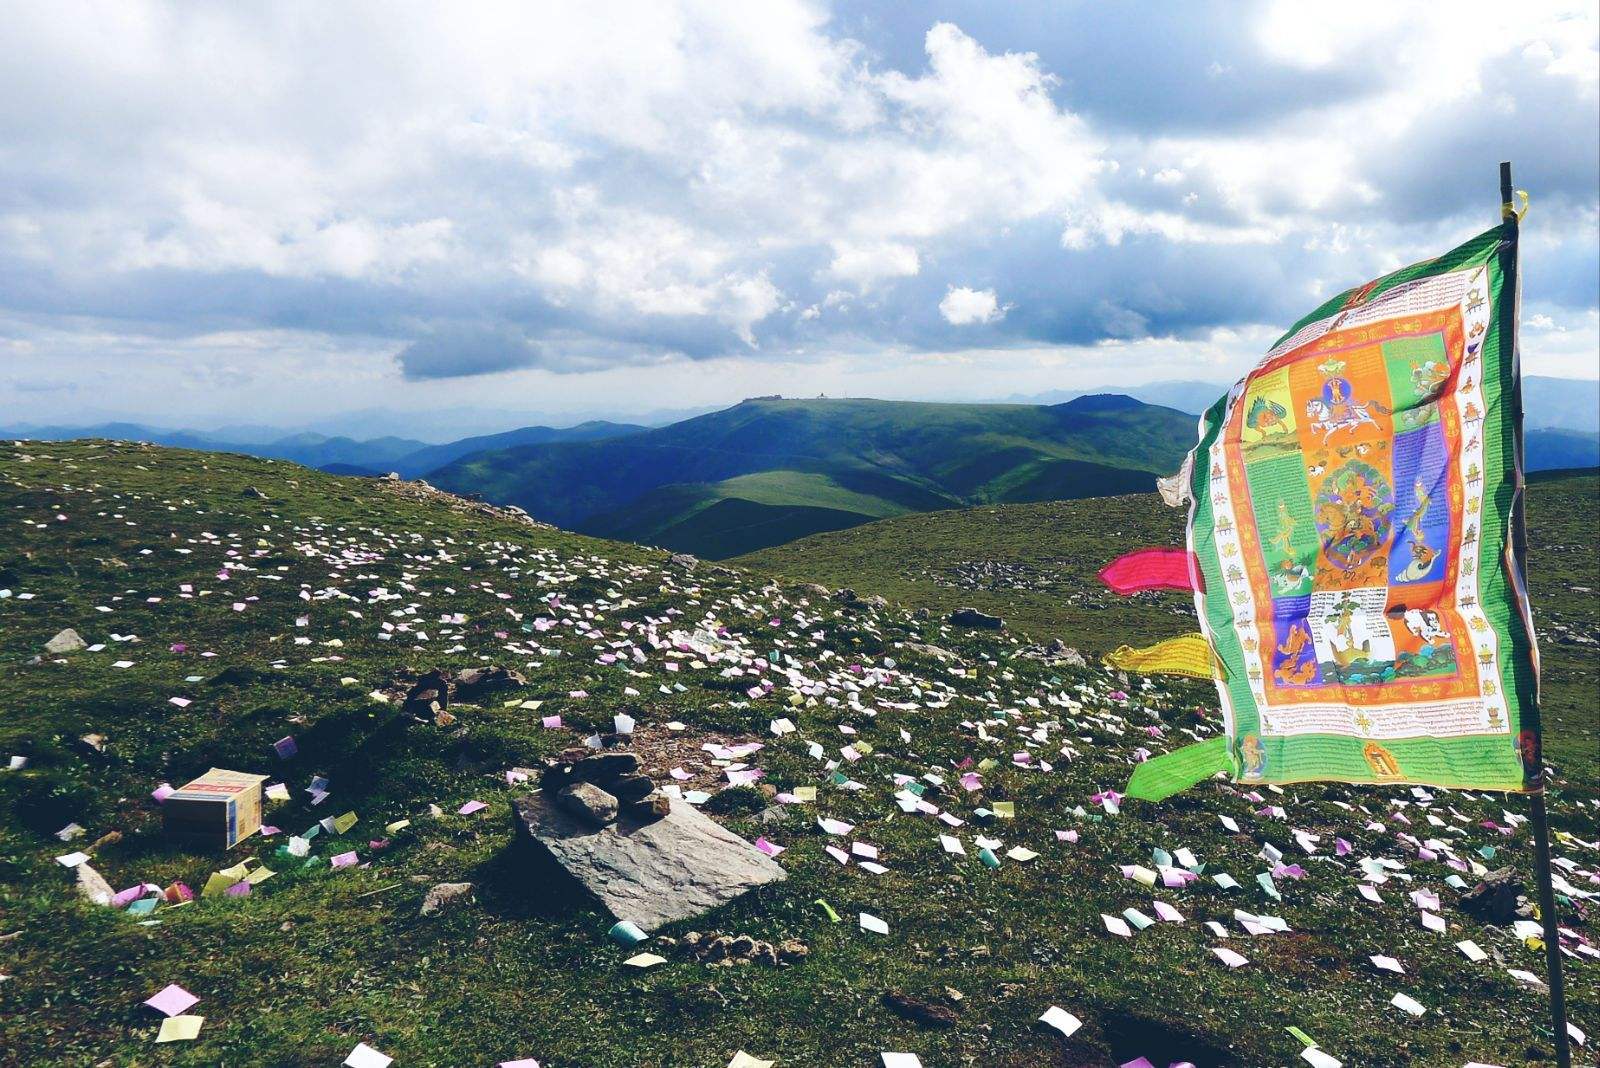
1497, 899
92, 886
921, 1012
725, 951
937, 652
673, 868
431, 692
253, 493
971, 617
445, 895
67, 641
686, 561
588, 800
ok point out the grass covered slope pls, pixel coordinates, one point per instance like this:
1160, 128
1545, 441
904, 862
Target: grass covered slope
1035, 565
797, 466
312, 598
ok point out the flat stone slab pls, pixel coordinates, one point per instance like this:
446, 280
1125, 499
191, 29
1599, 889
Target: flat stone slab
674, 868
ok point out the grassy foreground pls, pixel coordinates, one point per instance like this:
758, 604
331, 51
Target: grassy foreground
318, 594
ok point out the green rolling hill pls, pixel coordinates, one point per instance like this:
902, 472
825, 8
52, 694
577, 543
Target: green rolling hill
770, 470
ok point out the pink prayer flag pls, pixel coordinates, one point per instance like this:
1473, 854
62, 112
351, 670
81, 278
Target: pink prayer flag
470, 807
344, 860
1152, 569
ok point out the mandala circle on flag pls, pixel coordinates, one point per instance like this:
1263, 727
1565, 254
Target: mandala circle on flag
1354, 506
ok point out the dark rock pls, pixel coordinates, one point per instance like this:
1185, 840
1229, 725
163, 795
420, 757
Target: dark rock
588, 800
656, 873
253, 493
923, 1013
67, 641
878, 601
477, 682
432, 688
1495, 899
444, 895
792, 950
557, 777
971, 617
606, 767
845, 594
631, 787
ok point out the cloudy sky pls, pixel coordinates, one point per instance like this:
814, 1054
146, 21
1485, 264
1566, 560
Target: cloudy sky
271, 213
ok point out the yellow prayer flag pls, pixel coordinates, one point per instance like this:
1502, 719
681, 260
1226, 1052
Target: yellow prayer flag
1188, 655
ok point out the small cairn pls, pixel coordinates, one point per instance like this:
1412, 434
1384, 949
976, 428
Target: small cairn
604, 787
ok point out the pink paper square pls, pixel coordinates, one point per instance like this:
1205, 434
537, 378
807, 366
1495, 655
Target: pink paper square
172, 1000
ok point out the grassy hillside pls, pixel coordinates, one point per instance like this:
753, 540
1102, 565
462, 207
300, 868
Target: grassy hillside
273, 601
1035, 565
790, 467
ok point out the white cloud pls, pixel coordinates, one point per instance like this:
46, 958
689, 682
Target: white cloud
864, 265
588, 187
963, 306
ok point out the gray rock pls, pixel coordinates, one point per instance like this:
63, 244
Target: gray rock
443, 895
686, 561
65, 642
671, 869
1496, 899
971, 617
587, 800
937, 652
1061, 651
812, 589
92, 886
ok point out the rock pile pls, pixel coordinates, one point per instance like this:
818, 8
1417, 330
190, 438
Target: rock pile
602, 786
429, 694
725, 951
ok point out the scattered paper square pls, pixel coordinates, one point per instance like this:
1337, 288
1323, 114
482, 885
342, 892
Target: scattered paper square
1061, 1020
364, 1056
180, 1028
171, 1000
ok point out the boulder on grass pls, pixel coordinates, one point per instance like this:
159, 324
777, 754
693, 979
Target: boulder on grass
672, 868
67, 641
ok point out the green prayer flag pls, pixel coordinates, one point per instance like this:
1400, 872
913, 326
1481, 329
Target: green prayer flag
1172, 773
1355, 505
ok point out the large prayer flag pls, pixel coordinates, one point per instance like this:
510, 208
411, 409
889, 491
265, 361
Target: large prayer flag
1353, 502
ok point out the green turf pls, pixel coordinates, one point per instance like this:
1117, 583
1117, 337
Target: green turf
317, 960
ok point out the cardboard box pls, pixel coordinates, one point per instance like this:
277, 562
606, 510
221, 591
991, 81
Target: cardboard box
215, 811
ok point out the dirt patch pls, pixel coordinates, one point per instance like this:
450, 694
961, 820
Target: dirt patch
661, 749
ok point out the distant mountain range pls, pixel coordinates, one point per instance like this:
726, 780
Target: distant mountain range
1548, 403
769, 470
339, 455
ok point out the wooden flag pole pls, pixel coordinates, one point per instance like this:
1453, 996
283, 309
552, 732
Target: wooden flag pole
1519, 534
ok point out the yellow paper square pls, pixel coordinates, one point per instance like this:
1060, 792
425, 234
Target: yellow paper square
180, 1028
